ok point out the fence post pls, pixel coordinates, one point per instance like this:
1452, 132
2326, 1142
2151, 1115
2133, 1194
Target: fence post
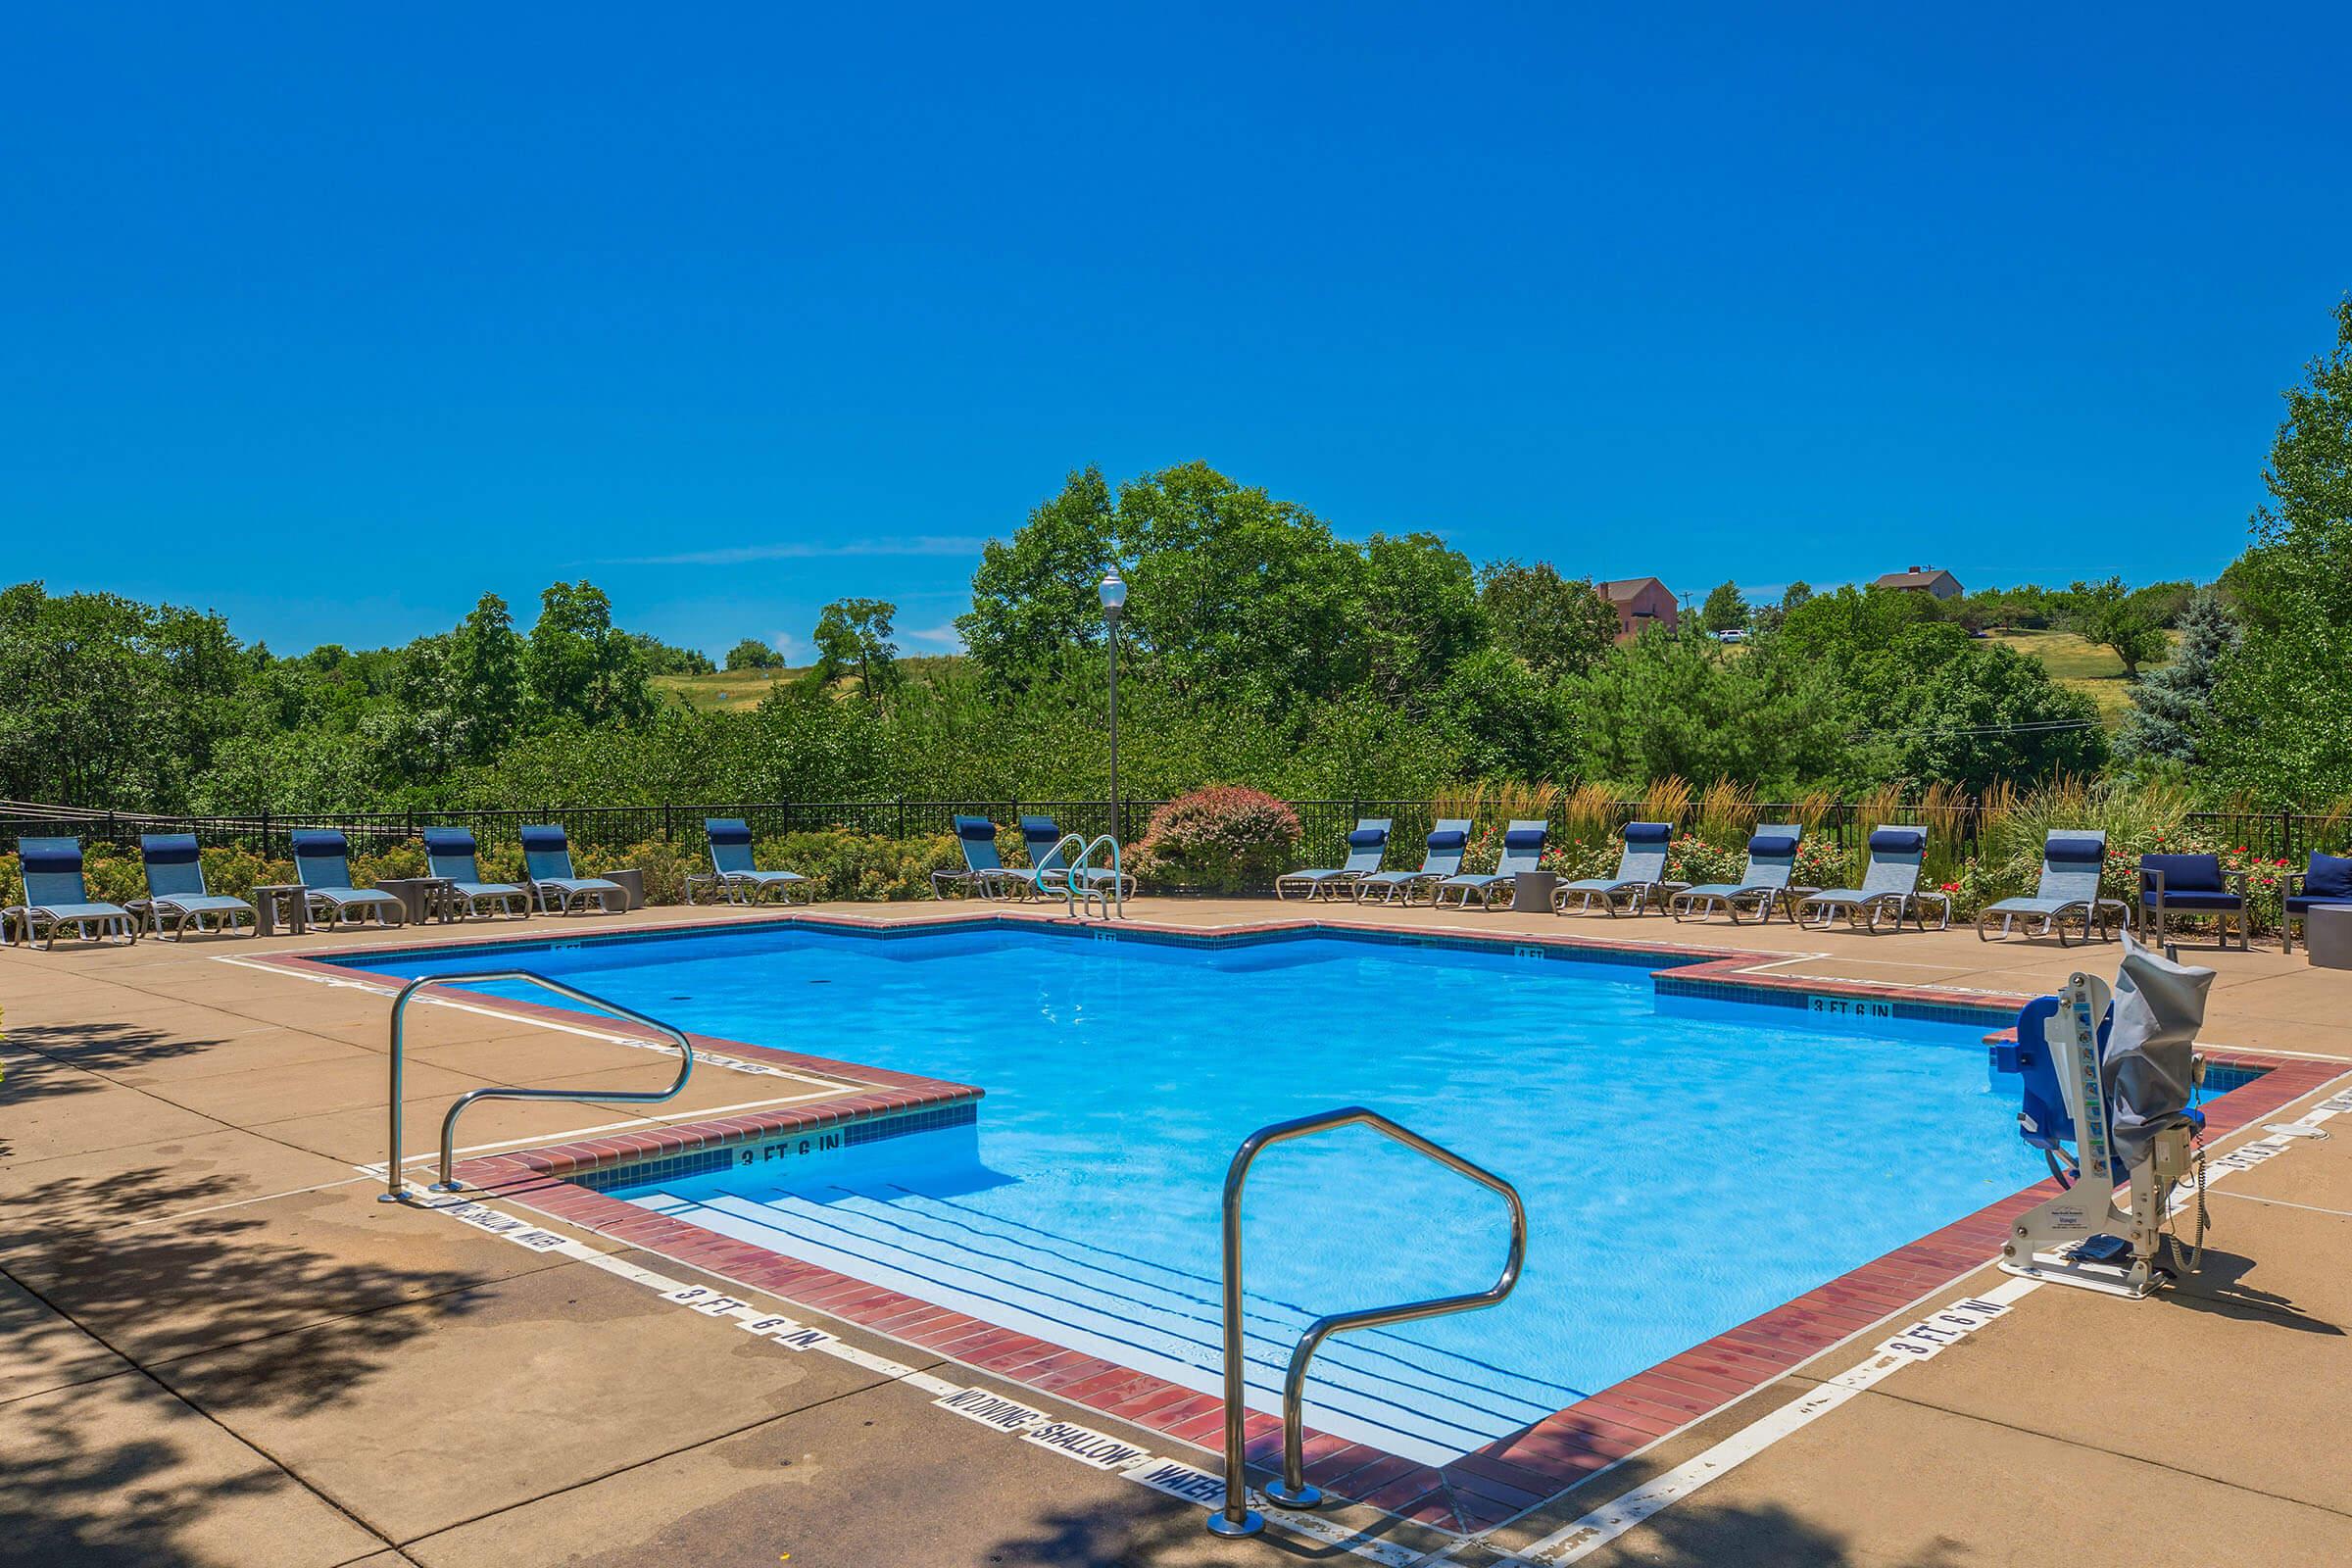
902, 835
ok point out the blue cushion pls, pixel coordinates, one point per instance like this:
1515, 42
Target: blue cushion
168, 849
2328, 876
1648, 832
2302, 902
449, 841
1452, 839
2183, 873
2201, 901
58, 855
727, 830
2075, 849
975, 828
546, 839
1368, 838
1526, 839
319, 841
1898, 840
1772, 846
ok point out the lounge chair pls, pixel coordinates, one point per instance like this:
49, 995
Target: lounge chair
735, 873
547, 867
1441, 858
976, 839
176, 891
1890, 886
1367, 847
55, 896
322, 862
1640, 875
2069, 885
1047, 873
2192, 884
450, 855
2325, 883
1522, 851
1771, 862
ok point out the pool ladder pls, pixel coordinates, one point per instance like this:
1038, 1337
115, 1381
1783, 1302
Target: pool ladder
396, 1189
1077, 891
1237, 1518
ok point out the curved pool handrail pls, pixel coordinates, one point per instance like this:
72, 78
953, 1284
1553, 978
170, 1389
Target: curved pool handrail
1118, 878
395, 1188
1236, 1518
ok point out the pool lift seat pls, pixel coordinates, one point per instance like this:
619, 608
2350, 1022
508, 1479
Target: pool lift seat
2106, 1080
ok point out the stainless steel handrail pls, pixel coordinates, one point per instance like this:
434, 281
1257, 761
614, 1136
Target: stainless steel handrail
395, 1188
1118, 879
1069, 884
1237, 1518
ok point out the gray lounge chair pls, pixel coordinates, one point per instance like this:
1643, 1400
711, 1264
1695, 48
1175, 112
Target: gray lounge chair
323, 864
56, 896
1441, 858
1640, 875
1367, 847
450, 855
1771, 862
2069, 885
1890, 886
983, 868
735, 873
547, 867
176, 891
1522, 851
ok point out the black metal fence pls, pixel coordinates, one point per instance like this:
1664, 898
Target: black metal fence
2280, 835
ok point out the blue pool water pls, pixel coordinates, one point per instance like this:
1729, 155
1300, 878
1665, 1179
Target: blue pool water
1686, 1163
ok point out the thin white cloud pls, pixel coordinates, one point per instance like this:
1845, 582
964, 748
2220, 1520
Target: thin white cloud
739, 555
946, 639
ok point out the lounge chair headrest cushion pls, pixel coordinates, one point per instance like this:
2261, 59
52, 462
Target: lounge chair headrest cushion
544, 838
976, 829
1648, 832
168, 849
2329, 877
49, 855
1368, 838
1039, 827
1524, 838
727, 830
449, 841
1772, 844
323, 841
2185, 873
1453, 838
1898, 840
2083, 849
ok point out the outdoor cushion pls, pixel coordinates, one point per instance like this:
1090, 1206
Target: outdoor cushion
2078, 851
2201, 901
2183, 874
1525, 839
1898, 840
974, 828
727, 830
2300, 902
449, 841
546, 840
1452, 838
2329, 877
1771, 844
1648, 832
1368, 838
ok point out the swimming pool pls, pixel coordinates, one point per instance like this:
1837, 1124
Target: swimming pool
1687, 1162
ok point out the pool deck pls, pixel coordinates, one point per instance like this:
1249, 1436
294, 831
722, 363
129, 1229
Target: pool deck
215, 1347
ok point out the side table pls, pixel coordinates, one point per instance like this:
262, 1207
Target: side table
2328, 936
276, 900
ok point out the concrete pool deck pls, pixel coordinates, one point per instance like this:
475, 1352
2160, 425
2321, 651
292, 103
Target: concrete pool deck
215, 1347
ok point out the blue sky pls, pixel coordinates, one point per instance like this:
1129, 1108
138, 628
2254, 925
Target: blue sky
331, 317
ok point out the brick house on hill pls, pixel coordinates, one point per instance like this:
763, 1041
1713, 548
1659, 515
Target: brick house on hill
1641, 601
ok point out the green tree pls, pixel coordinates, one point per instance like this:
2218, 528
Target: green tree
580, 666
1561, 626
1725, 610
1034, 596
856, 633
753, 653
2279, 727
667, 659
2169, 706
486, 668
1669, 705
2110, 615
1422, 616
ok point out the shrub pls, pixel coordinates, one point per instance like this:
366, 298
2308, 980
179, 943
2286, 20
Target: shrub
1222, 839
863, 865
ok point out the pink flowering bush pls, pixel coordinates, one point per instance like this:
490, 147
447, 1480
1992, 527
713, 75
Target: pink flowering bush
1222, 839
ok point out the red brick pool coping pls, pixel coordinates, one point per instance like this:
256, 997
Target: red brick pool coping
1479, 1491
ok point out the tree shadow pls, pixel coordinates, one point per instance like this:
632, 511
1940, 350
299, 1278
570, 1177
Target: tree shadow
97, 1048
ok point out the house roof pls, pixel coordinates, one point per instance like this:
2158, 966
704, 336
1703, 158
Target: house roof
1628, 588
1915, 577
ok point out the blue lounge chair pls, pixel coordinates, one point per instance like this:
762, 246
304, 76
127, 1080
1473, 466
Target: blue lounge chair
2325, 883
55, 896
1522, 851
1367, 847
2069, 885
1890, 886
175, 890
323, 864
2192, 884
450, 855
976, 840
1640, 875
547, 867
1441, 858
1771, 862
735, 873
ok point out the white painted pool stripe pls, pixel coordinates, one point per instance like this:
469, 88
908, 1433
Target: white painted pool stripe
1574, 1542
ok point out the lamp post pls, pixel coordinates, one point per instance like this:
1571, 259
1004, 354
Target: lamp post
1113, 594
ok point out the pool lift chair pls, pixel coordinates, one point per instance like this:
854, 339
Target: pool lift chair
2106, 1084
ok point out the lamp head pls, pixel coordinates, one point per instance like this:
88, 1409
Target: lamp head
1112, 592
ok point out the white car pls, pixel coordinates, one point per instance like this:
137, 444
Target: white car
1735, 635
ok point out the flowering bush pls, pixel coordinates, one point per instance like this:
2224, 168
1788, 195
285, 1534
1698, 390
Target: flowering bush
1223, 839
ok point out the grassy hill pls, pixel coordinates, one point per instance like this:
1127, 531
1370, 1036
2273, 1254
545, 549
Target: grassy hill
2085, 666
739, 690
